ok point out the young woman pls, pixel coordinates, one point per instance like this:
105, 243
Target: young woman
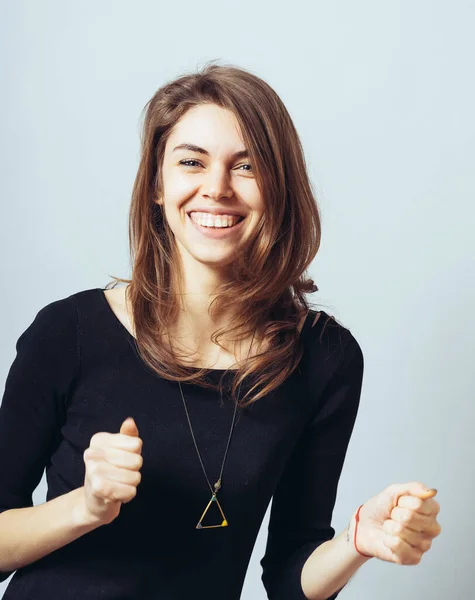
168, 412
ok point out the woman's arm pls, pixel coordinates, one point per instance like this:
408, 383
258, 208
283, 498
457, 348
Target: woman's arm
329, 568
28, 534
301, 549
32, 413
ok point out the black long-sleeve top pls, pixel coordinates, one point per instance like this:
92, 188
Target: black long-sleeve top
77, 372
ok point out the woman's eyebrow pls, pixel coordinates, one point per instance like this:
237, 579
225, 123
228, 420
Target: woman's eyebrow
194, 148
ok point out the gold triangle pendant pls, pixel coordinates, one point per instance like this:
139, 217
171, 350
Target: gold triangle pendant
224, 522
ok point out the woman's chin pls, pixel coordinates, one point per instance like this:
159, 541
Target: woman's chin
214, 261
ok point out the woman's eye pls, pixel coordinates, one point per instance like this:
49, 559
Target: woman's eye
186, 162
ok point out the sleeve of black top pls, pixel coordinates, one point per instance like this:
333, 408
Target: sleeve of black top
303, 503
34, 402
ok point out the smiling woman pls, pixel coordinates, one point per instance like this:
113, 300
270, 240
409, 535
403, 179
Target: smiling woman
216, 184
221, 142
223, 226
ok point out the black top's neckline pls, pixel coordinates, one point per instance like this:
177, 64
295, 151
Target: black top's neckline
132, 339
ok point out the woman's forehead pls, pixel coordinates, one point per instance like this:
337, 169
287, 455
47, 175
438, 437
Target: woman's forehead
207, 127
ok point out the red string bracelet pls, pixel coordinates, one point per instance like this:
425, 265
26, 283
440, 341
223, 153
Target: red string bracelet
357, 517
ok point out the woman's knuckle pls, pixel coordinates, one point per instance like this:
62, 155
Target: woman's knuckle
409, 558
93, 467
96, 439
97, 484
130, 495
426, 545
392, 542
399, 545
398, 559
416, 558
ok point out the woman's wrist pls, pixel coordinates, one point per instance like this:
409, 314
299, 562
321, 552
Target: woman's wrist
355, 534
81, 517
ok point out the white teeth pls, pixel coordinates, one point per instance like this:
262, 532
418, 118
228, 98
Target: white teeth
208, 220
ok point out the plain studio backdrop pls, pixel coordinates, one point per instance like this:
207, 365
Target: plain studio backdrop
382, 95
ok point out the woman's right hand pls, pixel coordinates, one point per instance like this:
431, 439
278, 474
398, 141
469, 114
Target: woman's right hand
113, 462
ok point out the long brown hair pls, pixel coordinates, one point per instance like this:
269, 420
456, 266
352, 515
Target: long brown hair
269, 278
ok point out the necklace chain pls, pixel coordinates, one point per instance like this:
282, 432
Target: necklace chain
217, 485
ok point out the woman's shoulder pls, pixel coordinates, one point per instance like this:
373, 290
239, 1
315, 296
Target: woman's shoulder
58, 315
47, 347
327, 337
59, 319
319, 323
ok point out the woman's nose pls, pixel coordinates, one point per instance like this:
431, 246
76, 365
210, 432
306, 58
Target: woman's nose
217, 183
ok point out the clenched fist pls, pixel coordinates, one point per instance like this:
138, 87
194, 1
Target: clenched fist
399, 524
113, 462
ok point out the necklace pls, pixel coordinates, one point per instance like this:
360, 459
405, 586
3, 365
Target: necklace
218, 484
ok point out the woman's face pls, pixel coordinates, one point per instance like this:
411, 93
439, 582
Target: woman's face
212, 175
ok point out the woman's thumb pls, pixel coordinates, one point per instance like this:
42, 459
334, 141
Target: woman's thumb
129, 427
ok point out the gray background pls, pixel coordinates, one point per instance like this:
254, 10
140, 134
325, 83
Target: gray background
382, 95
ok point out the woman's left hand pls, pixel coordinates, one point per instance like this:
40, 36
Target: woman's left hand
399, 524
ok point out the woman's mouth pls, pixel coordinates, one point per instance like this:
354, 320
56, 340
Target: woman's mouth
216, 226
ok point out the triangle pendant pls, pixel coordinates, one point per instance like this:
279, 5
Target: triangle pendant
223, 523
